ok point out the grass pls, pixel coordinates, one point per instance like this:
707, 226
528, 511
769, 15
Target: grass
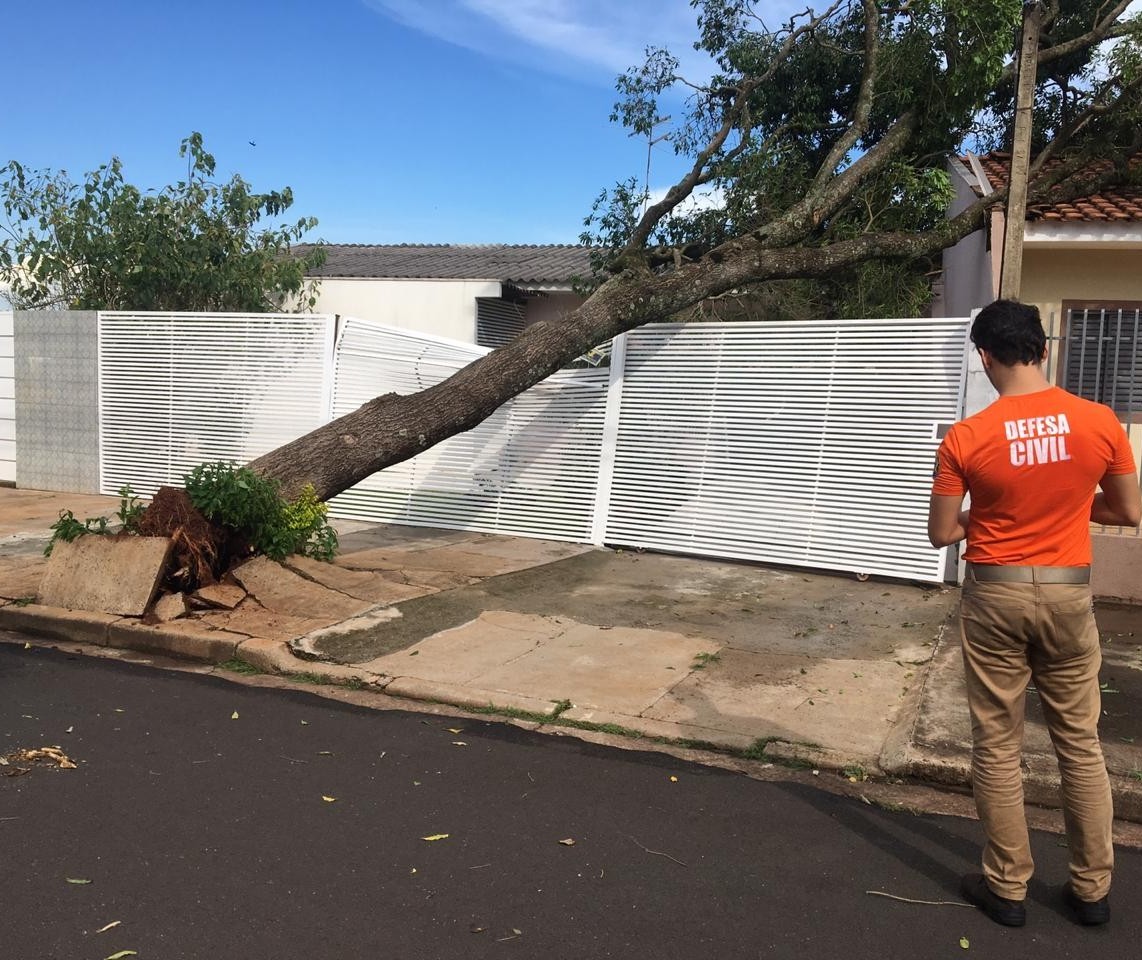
1135, 775
238, 666
703, 660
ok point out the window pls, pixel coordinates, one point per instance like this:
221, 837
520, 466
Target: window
499, 320
1102, 356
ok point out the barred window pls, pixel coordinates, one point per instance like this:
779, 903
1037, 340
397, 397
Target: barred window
1103, 354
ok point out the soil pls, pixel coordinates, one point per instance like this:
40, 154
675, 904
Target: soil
202, 551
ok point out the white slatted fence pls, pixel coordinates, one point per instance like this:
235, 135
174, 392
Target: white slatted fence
530, 470
807, 444
180, 389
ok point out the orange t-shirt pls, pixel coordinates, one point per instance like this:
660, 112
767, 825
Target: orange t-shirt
1032, 463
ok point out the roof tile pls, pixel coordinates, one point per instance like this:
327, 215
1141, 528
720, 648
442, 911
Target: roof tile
1112, 205
510, 263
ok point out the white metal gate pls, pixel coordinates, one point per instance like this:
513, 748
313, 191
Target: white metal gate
806, 444
797, 443
531, 469
176, 390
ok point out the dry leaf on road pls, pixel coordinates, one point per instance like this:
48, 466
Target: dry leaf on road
436, 836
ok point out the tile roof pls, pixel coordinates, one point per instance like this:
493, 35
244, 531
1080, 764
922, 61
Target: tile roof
1113, 205
511, 263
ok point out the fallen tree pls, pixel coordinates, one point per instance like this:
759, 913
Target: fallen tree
827, 140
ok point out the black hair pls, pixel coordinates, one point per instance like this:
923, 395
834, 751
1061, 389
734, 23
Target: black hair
1010, 331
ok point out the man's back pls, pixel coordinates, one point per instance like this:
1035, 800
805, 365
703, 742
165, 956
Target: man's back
1032, 463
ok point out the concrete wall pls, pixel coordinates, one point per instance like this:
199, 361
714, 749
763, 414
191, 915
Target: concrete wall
57, 400
440, 308
7, 400
1115, 568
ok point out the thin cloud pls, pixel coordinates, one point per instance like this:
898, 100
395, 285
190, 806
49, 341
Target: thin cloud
593, 40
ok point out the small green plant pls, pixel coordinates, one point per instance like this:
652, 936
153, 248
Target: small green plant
855, 773
1136, 775
703, 660
68, 528
130, 510
23, 601
250, 505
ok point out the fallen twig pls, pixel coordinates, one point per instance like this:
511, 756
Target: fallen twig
292, 760
926, 903
658, 853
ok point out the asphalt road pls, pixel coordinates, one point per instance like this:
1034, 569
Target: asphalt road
198, 814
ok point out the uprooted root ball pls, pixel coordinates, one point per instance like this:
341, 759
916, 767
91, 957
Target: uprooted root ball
201, 550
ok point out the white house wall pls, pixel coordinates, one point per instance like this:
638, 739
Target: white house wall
439, 308
967, 266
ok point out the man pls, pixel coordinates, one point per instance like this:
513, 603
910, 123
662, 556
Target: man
1031, 462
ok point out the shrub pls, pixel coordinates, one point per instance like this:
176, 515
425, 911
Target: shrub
250, 506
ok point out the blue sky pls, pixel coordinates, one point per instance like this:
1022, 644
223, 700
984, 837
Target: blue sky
420, 121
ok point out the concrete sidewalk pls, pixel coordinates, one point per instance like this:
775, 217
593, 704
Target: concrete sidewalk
775, 665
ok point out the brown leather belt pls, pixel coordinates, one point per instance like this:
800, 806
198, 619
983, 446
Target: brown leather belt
993, 573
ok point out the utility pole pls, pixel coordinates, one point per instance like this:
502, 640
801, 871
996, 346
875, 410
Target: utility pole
1015, 217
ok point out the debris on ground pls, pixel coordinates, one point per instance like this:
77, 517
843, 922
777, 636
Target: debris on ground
10, 764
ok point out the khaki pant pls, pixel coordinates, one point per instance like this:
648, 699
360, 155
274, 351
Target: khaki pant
1015, 634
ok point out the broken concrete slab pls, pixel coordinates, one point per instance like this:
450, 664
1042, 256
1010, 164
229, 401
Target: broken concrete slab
363, 584
105, 574
170, 606
222, 596
282, 591
254, 620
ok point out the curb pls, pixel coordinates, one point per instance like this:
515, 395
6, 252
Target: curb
1041, 786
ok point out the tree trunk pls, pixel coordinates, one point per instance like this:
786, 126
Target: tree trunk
392, 428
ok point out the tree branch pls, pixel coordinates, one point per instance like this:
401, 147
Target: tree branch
863, 107
1107, 29
653, 215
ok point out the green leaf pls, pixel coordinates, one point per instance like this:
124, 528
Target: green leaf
964, 943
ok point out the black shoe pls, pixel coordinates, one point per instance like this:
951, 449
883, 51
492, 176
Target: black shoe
1010, 913
1086, 912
